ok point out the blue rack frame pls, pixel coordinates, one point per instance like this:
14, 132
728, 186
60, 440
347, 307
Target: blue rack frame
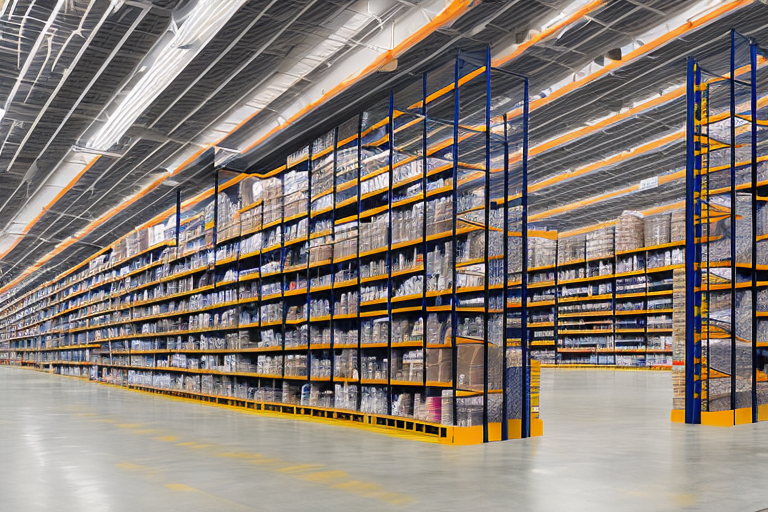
700, 100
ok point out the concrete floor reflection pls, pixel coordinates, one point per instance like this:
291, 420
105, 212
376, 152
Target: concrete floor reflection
68, 445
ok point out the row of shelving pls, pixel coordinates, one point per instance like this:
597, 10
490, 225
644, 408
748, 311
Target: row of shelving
355, 277
603, 296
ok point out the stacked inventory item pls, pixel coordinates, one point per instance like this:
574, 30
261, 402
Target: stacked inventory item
600, 244
678, 336
273, 200
677, 226
571, 249
542, 254
228, 221
657, 229
541, 251
630, 231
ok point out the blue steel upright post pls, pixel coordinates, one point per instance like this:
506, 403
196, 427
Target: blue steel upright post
486, 249
525, 424
390, 162
215, 221
455, 199
178, 219
753, 288
424, 169
732, 143
693, 246
504, 288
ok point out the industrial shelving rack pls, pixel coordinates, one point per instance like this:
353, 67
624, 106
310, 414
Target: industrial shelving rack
720, 348
226, 283
627, 313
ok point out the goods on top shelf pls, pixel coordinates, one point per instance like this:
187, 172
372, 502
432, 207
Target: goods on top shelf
630, 231
268, 284
657, 229
541, 251
570, 249
600, 243
677, 225
598, 317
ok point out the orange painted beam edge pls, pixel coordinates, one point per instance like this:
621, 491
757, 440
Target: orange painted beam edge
596, 4
458, 8
651, 211
634, 188
449, 14
570, 136
587, 229
448, 88
648, 146
50, 205
575, 134
606, 122
639, 52
189, 202
500, 61
663, 180
93, 225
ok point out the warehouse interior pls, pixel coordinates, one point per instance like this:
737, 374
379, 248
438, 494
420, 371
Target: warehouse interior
295, 245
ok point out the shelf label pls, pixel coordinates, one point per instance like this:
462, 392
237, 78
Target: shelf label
649, 183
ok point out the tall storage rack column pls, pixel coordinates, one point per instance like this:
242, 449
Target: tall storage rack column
719, 349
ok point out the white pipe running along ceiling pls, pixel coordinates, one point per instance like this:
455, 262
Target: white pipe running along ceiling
67, 170
282, 81
200, 25
391, 33
696, 11
357, 17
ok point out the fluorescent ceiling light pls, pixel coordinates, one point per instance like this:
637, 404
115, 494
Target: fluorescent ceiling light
204, 21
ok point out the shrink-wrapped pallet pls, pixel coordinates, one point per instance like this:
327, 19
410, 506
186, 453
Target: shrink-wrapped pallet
600, 243
630, 231
571, 249
541, 252
657, 229
678, 339
677, 226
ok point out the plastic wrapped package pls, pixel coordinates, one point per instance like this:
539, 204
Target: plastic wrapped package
658, 229
541, 252
677, 226
630, 231
572, 248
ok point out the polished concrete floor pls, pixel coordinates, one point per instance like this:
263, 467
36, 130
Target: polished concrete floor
67, 445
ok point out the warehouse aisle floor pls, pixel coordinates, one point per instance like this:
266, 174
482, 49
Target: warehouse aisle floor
68, 445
